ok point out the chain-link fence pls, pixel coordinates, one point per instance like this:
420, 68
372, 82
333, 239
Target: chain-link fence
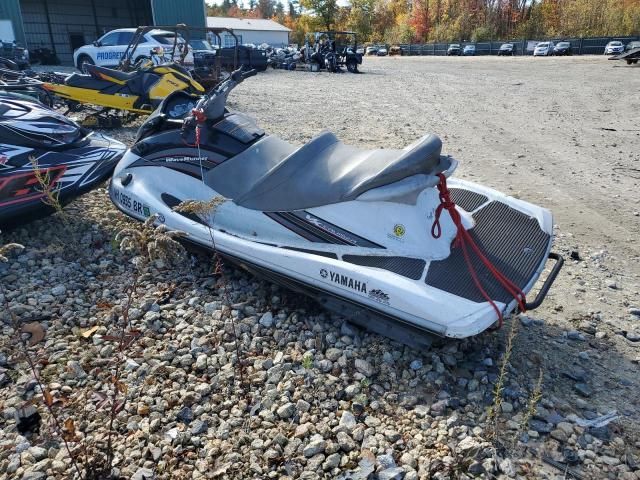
579, 46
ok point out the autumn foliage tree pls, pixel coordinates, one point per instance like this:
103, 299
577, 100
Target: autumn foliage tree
395, 21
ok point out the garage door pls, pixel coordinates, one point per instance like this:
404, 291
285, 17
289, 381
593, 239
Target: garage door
69, 24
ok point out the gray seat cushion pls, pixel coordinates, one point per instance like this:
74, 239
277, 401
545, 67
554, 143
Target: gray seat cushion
274, 176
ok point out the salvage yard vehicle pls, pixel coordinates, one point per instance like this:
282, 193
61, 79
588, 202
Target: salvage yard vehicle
137, 92
506, 49
334, 49
632, 45
631, 57
380, 236
39, 145
454, 49
543, 49
469, 50
614, 47
109, 49
563, 48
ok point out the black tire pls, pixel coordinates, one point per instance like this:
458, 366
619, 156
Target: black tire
352, 66
84, 60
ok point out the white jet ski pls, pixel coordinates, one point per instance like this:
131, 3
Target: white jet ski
371, 234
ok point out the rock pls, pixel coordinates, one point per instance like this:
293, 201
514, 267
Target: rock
286, 411
540, 426
372, 421
75, 369
395, 473
316, 445
421, 411
302, 430
385, 461
363, 367
347, 421
506, 467
392, 436
476, 468
143, 474
199, 427
559, 435
416, 365
34, 476
566, 427
58, 290
409, 460
332, 461
633, 336
439, 408
201, 362
303, 406
333, 354
506, 407
611, 461
267, 320
345, 442
575, 335
583, 389
38, 453
634, 311
185, 415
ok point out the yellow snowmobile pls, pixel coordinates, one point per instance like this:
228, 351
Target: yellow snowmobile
136, 92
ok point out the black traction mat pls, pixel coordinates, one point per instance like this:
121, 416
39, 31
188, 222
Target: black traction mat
407, 267
467, 199
511, 240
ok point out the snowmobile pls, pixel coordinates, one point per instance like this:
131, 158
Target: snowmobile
385, 237
138, 92
42, 153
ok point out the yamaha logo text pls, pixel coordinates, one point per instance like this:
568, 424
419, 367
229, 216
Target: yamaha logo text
344, 281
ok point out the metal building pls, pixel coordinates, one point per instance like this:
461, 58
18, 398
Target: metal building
64, 25
252, 30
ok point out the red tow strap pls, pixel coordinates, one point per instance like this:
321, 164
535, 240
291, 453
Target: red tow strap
200, 119
464, 240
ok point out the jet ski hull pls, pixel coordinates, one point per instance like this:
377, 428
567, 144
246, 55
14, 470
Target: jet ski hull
70, 172
372, 260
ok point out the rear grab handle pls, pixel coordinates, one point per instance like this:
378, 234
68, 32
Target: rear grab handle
547, 283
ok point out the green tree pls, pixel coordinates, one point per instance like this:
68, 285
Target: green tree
325, 10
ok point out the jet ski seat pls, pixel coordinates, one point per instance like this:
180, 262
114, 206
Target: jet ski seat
86, 81
100, 73
272, 175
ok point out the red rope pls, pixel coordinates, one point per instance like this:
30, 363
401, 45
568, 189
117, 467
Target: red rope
464, 240
200, 119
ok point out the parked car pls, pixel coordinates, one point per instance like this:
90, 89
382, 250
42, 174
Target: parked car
562, 48
632, 45
108, 49
543, 49
360, 50
382, 51
395, 50
371, 50
614, 47
506, 49
454, 49
469, 50
12, 52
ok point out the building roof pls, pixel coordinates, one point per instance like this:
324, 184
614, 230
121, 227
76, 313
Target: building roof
260, 24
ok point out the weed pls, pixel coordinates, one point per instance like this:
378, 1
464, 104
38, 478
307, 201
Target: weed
307, 362
532, 404
494, 409
50, 193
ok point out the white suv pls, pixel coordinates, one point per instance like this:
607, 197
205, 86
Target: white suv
108, 49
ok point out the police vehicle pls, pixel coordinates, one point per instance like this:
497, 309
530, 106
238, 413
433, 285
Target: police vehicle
108, 49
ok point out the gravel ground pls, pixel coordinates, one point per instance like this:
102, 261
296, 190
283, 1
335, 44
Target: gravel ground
318, 398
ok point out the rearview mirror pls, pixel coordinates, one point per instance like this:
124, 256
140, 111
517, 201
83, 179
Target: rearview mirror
97, 44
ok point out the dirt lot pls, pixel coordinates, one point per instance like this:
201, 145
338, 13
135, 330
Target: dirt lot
560, 132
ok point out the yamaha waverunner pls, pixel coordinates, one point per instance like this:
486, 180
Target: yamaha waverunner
385, 237
35, 140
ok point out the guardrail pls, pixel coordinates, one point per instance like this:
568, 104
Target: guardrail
579, 46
